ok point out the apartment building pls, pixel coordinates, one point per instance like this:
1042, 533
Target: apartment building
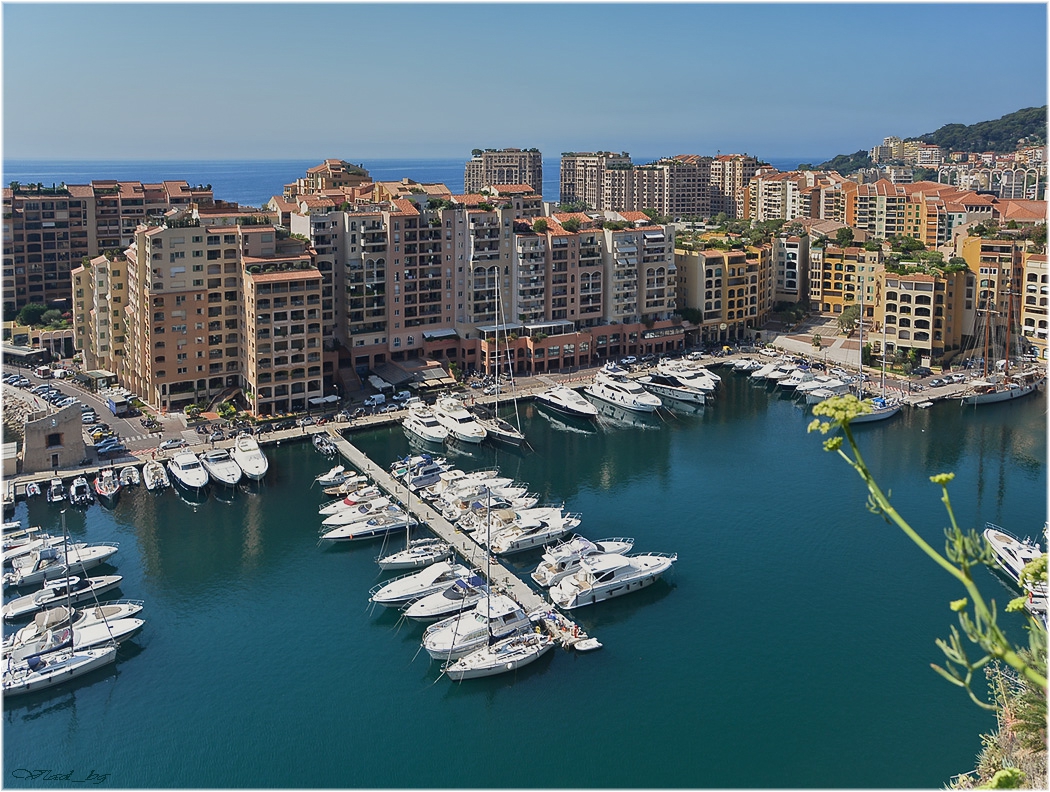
730, 177
877, 208
582, 176
790, 256
731, 290
997, 265
100, 296
49, 231
850, 276
503, 166
1033, 311
924, 311
332, 174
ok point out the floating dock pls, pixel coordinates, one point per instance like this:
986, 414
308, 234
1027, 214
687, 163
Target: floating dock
562, 628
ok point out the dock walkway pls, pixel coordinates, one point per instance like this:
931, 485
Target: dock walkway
563, 628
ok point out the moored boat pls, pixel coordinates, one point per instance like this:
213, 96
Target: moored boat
334, 477
154, 476
567, 401
372, 528
460, 423
408, 588
107, 486
496, 616
53, 562
457, 597
85, 637
38, 673
56, 491
80, 492
221, 468
419, 553
250, 457
507, 654
70, 590
609, 575
33, 490
564, 559
422, 423
187, 472
129, 476
621, 391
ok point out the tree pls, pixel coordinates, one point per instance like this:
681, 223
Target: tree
30, 314
571, 225
963, 552
848, 318
818, 342
51, 317
844, 236
540, 225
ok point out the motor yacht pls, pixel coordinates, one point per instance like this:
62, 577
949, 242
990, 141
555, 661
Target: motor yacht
564, 559
408, 588
609, 575
64, 591
334, 477
372, 528
96, 634
881, 409
221, 468
78, 618
38, 673
567, 401
669, 386
460, 422
529, 528
422, 423
494, 617
53, 562
798, 377
1011, 553
617, 389
250, 457
420, 471
186, 470
419, 553
361, 511
457, 597
352, 501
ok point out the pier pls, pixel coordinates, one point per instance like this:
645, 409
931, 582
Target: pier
564, 629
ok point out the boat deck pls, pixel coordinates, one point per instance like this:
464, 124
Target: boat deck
561, 627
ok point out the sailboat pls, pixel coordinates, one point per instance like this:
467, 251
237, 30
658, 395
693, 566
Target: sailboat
62, 663
498, 429
418, 553
498, 656
994, 386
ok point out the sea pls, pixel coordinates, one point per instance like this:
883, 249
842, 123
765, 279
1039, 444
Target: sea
789, 646
254, 182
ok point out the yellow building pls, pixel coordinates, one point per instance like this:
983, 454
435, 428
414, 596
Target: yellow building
850, 276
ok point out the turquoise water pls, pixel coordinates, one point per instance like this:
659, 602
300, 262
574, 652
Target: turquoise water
789, 646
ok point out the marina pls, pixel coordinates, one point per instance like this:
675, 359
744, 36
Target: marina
716, 487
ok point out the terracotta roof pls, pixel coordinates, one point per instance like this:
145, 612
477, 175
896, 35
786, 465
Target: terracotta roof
405, 206
290, 275
472, 199
1023, 211
512, 188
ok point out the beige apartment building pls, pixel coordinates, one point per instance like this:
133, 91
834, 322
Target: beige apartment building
332, 174
503, 166
1034, 301
924, 311
730, 177
50, 231
100, 295
582, 176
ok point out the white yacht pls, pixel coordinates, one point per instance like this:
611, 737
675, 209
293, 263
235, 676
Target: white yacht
419, 553
250, 457
456, 597
562, 560
605, 576
64, 591
694, 374
567, 401
881, 409
670, 386
460, 422
1011, 554
49, 563
530, 528
360, 511
188, 472
408, 588
221, 467
381, 524
334, 477
85, 637
420, 472
353, 500
422, 423
835, 387
43, 672
797, 378
56, 491
623, 392
495, 616
78, 618
500, 657
781, 372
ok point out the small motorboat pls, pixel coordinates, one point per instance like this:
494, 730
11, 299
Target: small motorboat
130, 477
33, 490
155, 476
56, 491
107, 487
324, 444
334, 477
80, 493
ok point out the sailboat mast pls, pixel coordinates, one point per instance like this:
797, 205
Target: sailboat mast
987, 332
1009, 321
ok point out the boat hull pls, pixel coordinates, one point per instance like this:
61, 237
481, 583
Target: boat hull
1008, 394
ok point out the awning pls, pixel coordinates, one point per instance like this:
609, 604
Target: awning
379, 383
434, 335
317, 400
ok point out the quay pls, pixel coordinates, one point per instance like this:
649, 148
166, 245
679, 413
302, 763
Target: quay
567, 632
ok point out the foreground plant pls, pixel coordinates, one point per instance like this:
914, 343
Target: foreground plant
963, 552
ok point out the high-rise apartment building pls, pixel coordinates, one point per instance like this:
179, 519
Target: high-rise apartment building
50, 231
582, 179
1034, 301
503, 166
730, 177
100, 295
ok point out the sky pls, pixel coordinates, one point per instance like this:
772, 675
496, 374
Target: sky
399, 80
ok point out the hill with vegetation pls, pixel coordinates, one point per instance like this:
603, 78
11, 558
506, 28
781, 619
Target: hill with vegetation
1001, 136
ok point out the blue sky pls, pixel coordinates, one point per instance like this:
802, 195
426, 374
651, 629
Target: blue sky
261, 80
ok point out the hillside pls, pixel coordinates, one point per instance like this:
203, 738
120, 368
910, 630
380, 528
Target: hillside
1001, 135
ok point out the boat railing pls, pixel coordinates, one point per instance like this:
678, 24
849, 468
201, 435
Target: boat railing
379, 586
671, 556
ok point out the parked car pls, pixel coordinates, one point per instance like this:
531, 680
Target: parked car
115, 450
402, 396
389, 408
169, 445
375, 400
937, 382
921, 371
307, 420
630, 360
88, 418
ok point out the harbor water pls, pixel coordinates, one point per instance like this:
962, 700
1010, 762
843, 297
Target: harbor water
789, 646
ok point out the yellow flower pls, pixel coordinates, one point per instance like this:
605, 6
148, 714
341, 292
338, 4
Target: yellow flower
942, 478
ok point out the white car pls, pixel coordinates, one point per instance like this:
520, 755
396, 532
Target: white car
630, 360
168, 445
